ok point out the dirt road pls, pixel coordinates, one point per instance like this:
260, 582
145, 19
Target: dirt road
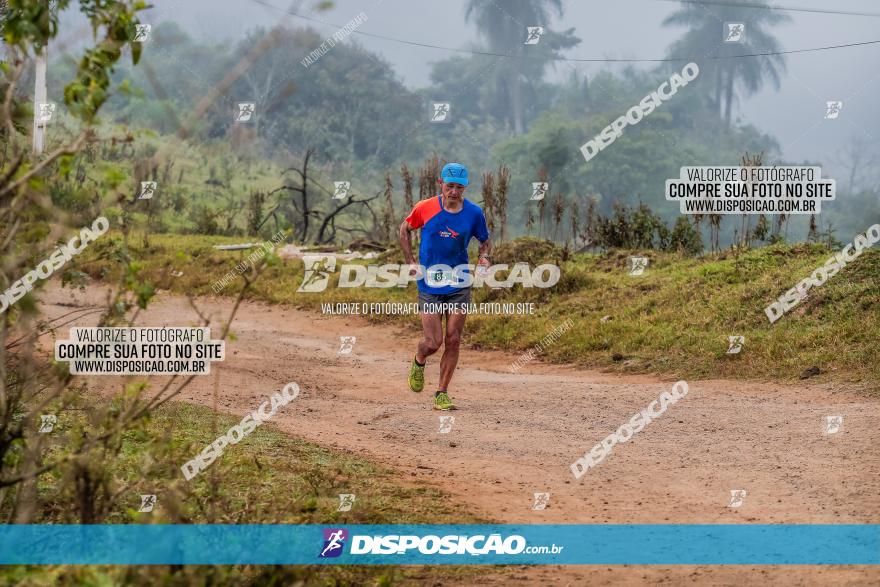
515, 435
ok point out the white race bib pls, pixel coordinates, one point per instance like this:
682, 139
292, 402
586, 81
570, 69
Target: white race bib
441, 278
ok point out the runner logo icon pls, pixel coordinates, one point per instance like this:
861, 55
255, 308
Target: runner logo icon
735, 31
334, 541
440, 112
47, 423
542, 500
446, 423
346, 500
735, 344
245, 112
448, 233
148, 188
340, 189
833, 424
142, 32
47, 109
736, 498
148, 502
534, 34
539, 190
317, 272
832, 109
637, 265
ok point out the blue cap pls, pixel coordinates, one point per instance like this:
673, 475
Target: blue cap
454, 173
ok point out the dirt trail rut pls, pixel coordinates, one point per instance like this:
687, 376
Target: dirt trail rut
517, 434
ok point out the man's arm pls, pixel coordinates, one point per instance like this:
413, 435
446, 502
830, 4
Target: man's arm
406, 242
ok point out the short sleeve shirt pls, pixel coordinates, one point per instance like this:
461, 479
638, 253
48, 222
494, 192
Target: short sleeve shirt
445, 238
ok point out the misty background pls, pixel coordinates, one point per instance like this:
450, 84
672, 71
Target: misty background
362, 107
625, 29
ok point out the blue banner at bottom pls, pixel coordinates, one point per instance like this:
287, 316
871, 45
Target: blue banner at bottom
607, 544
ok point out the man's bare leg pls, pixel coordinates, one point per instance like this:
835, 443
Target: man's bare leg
432, 336
451, 343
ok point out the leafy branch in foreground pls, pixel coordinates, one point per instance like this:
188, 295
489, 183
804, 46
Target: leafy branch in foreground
31, 383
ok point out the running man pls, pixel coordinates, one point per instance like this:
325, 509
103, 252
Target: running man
448, 222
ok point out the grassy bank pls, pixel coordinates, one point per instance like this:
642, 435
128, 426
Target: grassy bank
673, 320
267, 478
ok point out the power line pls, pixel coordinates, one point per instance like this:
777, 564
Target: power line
569, 59
771, 52
773, 7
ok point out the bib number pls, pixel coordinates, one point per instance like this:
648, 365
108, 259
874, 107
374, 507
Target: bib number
441, 278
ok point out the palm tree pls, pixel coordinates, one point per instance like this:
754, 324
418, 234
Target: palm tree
704, 42
504, 26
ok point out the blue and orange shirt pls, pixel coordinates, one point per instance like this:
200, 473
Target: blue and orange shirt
445, 238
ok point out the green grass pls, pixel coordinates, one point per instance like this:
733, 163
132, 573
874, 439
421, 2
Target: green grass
673, 320
268, 477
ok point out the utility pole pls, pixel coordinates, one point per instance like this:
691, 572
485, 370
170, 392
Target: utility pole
40, 97
40, 94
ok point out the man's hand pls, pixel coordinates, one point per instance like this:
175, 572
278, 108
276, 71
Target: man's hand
483, 253
483, 266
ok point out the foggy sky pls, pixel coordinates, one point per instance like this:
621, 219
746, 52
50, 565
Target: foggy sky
608, 29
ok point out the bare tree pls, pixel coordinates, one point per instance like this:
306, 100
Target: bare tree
388, 216
746, 224
428, 176
591, 222
407, 187
304, 212
488, 193
558, 213
329, 222
501, 189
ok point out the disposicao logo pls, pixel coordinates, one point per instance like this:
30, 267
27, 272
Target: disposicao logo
56, 260
635, 114
489, 544
443, 545
319, 268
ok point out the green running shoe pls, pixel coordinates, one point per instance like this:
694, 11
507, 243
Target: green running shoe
416, 376
442, 401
